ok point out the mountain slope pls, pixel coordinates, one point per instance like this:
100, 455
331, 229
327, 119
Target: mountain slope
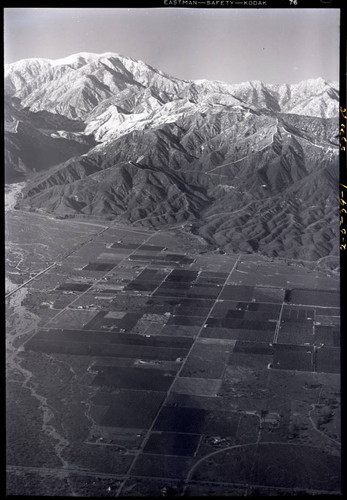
35, 141
251, 166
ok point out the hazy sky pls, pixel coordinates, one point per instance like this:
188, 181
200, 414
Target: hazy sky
232, 45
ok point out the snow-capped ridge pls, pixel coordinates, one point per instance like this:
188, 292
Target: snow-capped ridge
76, 85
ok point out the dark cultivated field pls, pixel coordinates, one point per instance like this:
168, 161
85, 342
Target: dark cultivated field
143, 364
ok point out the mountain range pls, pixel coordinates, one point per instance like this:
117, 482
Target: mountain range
250, 167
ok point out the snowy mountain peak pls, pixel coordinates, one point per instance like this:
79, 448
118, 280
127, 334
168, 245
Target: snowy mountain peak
106, 135
79, 84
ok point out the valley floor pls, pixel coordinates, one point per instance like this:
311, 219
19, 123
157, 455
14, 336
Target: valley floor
140, 363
